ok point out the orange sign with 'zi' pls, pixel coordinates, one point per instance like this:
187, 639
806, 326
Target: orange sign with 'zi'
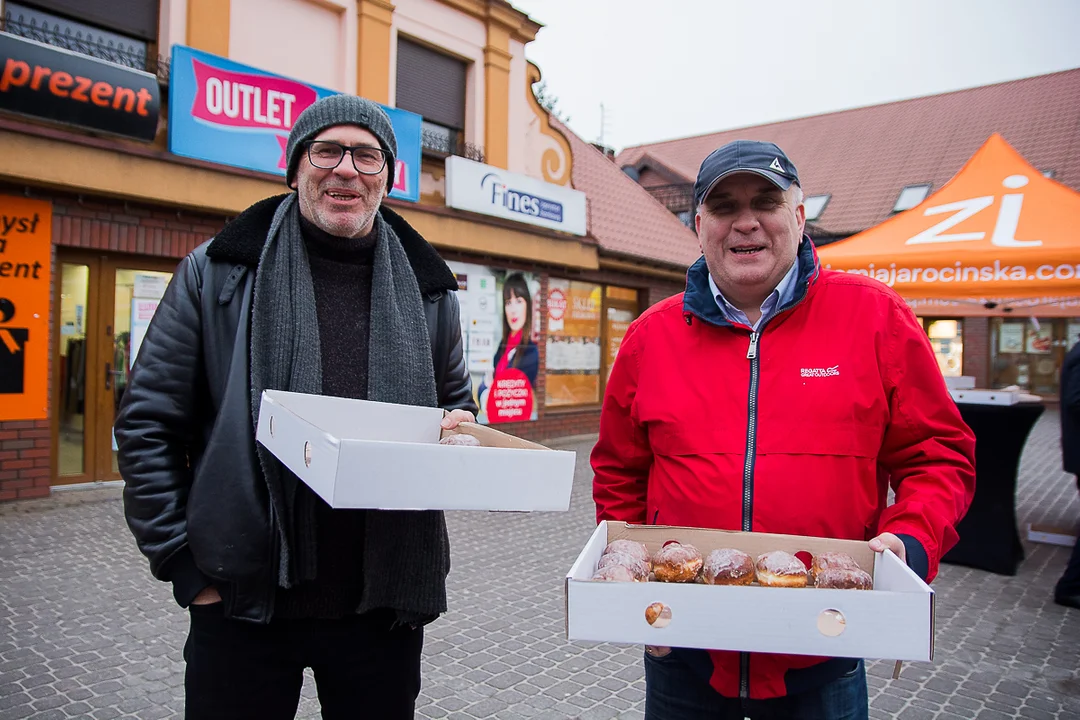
25, 269
998, 229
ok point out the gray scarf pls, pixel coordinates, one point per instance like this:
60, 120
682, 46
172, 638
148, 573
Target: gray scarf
406, 553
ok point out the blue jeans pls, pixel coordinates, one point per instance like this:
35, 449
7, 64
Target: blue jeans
675, 692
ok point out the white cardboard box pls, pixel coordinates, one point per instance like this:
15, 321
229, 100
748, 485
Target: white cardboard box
986, 397
363, 454
895, 620
962, 382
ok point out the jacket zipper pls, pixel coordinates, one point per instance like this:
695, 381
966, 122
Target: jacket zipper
748, 480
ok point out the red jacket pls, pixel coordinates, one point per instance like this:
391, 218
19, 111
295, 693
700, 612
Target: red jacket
799, 435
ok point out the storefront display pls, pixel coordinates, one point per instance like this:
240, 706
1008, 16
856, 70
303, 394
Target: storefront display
1028, 352
573, 343
500, 329
621, 309
946, 337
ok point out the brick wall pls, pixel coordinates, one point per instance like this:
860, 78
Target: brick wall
24, 459
976, 335
128, 228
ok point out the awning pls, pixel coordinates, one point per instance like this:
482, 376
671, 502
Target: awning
997, 232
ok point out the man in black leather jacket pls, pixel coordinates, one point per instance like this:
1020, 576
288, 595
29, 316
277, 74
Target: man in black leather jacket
322, 290
1067, 590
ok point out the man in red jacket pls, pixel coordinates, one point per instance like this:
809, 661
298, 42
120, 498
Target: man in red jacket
775, 396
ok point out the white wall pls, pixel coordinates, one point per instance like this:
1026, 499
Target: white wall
309, 40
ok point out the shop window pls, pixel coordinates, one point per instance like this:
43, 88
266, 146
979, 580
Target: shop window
946, 337
620, 309
911, 196
1028, 352
572, 368
815, 206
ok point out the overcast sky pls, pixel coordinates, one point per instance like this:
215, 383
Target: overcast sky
709, 65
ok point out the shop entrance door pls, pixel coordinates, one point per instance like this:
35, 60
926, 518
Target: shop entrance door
102, 306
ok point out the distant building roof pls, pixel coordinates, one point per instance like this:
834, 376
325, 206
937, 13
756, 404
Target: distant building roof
623, 217
863, 158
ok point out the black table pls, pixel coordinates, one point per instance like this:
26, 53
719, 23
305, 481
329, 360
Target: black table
989, 538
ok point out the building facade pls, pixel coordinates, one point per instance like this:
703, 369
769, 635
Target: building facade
131, 132
860, 167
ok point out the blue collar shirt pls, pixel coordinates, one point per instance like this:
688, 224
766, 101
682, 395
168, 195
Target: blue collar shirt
783, 294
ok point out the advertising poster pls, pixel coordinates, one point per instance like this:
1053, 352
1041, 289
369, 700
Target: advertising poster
573, 346
1072, 334
618, 322
25, 274
232, 114
500, 329
1040, 339
145, 298
1011, 338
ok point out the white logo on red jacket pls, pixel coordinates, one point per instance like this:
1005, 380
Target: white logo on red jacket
820, 372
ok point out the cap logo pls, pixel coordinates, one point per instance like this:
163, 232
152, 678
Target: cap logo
775, 165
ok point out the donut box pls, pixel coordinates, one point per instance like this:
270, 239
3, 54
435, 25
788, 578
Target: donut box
895, 620
364, 454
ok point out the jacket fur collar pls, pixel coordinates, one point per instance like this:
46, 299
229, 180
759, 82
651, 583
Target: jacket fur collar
242, 240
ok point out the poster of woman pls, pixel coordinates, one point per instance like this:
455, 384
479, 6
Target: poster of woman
500, 328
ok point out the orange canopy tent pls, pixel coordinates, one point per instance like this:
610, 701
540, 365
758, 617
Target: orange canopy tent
998, 232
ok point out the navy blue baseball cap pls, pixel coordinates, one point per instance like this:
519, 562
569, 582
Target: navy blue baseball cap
761, 158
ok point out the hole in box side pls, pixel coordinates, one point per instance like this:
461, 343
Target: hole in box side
658, 615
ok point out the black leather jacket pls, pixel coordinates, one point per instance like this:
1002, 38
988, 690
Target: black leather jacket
1070, 413
185, 420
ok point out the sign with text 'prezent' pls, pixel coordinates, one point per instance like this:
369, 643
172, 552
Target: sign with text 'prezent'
66, 87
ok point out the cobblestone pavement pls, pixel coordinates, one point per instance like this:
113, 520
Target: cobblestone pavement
85, 632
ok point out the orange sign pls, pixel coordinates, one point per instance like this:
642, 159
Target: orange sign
25, 269
1043, 307
998, 228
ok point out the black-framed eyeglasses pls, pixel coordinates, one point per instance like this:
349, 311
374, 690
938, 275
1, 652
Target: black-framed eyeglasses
327, 155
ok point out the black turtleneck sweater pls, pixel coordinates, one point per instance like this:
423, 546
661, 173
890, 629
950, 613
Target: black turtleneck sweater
341, 273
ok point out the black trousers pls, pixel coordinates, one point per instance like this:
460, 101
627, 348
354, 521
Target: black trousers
364, 667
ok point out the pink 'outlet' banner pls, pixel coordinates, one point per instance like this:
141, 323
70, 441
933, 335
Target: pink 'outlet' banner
247, 100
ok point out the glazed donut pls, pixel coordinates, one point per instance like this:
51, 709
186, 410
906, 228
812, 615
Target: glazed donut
614, 573
635, 565
628, 547
780, 569
831, 559
676, 562
460, 439
728, 566
842, 578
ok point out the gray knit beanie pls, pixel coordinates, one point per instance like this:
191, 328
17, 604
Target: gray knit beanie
340, 110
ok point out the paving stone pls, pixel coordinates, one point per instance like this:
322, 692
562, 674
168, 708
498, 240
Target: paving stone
113, 649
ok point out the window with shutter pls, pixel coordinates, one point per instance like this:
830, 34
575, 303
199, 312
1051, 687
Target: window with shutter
135, 18
432, 84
